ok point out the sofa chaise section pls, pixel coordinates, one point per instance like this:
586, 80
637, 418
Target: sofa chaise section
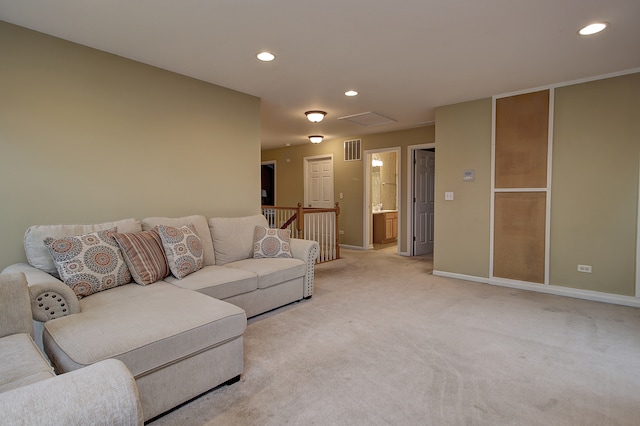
177, 343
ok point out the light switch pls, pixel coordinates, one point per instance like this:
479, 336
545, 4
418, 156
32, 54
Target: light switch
341, 195
448, 196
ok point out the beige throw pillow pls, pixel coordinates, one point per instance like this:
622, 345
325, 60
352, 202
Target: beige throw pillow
89, 263
270, 242
183, 249
144, 255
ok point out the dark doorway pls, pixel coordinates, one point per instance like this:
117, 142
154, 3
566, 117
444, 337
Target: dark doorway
268, 187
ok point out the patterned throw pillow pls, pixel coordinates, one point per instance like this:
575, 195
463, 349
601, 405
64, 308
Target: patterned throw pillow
269, 242
144, 255
89, 263
183, 249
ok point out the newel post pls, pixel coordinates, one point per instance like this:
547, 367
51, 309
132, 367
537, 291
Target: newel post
337, 231
300, 221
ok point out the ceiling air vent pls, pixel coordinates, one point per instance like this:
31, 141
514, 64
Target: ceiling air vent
352, 151
367, 119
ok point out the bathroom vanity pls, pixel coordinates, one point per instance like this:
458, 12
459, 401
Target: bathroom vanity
385, 226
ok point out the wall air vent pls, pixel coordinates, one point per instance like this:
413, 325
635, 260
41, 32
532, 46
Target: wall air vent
367, 119
352, 150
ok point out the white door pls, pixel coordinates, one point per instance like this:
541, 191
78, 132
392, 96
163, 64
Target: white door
423, 205
319, 185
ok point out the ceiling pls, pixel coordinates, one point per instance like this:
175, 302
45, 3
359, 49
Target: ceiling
404, 57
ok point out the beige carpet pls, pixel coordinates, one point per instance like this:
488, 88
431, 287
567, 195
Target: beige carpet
383, 342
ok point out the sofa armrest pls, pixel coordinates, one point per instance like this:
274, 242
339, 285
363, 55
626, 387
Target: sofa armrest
15, 307
307, 251
50, 297
102, 393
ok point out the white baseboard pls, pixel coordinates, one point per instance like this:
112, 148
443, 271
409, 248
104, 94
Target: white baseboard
351, 247
596, 296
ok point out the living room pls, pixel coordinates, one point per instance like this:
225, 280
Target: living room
89, 136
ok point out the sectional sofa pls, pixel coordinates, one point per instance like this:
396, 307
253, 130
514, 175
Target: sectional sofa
180, 334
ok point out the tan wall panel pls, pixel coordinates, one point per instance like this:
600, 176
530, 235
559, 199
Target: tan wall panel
87, 137
519, 236
522, 126
463, 142
594, 204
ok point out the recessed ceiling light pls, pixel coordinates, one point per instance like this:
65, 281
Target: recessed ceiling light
266, 56
351, 93
593, 28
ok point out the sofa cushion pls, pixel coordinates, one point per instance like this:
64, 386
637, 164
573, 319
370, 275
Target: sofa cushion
124, 323
37, 253
183, 249
198, 222
89, 263
271, 242
233, 237
22, 362
272, 271
144, 255
218, 281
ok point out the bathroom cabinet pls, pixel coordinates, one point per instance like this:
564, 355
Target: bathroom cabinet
385, 227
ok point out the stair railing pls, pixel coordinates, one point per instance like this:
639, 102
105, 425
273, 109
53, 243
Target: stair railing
308, 223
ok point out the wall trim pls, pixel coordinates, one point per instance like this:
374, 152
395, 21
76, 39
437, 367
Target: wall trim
347, 246
595, 296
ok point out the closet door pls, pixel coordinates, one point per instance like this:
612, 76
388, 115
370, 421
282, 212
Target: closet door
520, 192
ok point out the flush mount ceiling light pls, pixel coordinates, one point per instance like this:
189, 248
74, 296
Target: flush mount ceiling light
316, 138
315, 116
351, 93
593, 28
266, 56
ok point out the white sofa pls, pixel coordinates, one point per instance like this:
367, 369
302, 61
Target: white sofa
30, 392
178, 337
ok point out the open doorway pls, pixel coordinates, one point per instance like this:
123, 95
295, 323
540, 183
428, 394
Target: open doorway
421, 203
382, 196
268, 183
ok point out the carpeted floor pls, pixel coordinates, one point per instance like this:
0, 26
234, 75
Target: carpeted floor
384, 342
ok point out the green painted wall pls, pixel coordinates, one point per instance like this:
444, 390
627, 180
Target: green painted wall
88, 137
594, 203
463, 141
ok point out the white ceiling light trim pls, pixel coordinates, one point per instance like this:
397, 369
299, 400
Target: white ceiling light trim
266, 56
351, 93
594, 28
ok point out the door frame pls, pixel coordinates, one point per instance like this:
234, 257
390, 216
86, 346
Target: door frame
411, 194
305, 163
367, 220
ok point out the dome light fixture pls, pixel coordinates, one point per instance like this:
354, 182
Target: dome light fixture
594, 28
351, 93
315, 116
316, 138
266, 56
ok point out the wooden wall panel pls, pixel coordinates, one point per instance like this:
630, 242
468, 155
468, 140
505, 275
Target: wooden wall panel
519, 236
522, 124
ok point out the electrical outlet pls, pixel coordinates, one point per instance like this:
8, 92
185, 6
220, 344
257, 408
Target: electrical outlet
584, 268
341, 232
